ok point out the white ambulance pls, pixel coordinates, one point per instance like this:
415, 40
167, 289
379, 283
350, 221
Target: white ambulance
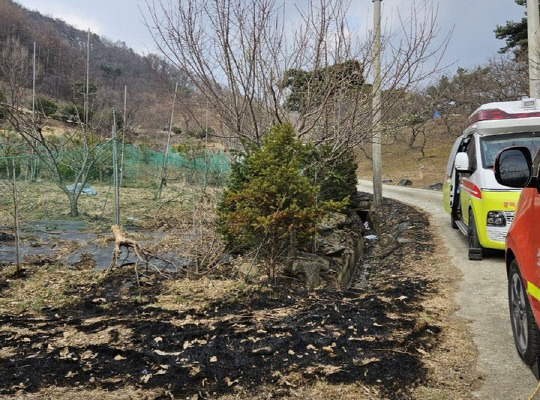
480, 207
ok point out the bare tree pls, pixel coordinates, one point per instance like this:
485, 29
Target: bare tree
77, 151
457, 96
9, 170
10, 185
248, 57
64, 153
15, 70
163, 176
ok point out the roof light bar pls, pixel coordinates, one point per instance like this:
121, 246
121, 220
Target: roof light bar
497, 114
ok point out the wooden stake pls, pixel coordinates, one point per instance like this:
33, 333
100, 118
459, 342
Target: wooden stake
163, 179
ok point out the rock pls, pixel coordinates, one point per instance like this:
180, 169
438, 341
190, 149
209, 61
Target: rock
436, 186
356, 223
331, 244
361, 201
226, 259
405, 182
310, 267
403, 226
401, 240
332, 221
85, 189
387, 181
249, 269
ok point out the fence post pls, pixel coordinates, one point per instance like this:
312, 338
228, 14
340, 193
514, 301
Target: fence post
164, 167
115, 173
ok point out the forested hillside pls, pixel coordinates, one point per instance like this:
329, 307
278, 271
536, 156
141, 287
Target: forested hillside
61, 56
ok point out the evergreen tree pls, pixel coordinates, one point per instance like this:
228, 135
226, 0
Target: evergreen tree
515, 34
270, 203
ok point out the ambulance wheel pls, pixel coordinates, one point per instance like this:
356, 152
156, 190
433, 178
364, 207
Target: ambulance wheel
476, 252
524, 327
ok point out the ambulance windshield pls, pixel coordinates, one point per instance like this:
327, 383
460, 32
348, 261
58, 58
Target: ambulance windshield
490, 146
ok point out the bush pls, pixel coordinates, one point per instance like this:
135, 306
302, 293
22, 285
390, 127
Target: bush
200, 134
45, 106
334, 173
269, 203
72, 112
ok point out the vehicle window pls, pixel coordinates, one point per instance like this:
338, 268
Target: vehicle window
536, 164
471, 152
490, 146
464, 144
450, 165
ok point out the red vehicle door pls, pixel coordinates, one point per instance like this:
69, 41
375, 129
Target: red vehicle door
533, 252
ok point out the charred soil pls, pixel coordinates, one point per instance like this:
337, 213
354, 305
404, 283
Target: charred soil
218, 338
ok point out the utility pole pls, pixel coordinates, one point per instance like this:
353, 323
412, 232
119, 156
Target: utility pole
115, 173
163, 179
533, 27
87, 93
377, 113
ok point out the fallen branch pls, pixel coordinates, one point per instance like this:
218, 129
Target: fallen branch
141, 254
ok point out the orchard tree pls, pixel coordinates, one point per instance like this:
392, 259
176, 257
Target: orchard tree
77, 151
254, 70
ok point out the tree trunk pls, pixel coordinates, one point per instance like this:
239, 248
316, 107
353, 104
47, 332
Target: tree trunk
272, 263
73, 205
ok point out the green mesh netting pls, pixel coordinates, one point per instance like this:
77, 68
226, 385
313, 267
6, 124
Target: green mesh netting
139, 164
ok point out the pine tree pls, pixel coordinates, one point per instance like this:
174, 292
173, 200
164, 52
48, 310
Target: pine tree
515, 34
270, 204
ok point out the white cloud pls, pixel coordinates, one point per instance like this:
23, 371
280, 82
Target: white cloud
77, 21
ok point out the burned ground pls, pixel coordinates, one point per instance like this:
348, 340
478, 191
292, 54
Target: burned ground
276, 339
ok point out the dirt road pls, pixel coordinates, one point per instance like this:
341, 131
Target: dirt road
482, 299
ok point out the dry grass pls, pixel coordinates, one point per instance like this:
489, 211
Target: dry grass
318, 390
44, 200
399, 161
46, 287
186, 294
125, 393
58, 128
452, 363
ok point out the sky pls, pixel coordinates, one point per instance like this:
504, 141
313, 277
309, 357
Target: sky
472, 22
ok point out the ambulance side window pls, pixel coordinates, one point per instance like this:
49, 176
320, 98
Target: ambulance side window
450, 165
471, 152
468, 146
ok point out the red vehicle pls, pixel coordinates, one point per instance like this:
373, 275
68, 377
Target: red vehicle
514, 167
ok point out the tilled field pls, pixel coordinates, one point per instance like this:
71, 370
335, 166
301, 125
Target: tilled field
252, 342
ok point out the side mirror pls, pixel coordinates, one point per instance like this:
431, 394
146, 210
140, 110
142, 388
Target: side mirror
462, 162
513, 167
